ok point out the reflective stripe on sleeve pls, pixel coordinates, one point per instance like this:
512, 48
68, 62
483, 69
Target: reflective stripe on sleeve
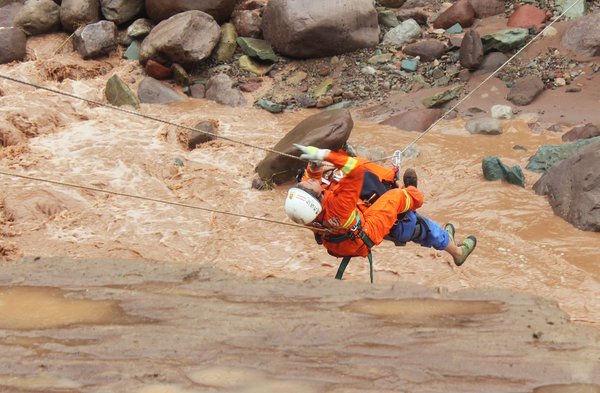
350, 165
407, 206
350, 220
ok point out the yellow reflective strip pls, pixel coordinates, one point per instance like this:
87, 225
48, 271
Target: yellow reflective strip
407, 206
350, 165
350, 220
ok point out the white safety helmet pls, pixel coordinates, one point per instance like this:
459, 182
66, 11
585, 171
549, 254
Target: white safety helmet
301, 207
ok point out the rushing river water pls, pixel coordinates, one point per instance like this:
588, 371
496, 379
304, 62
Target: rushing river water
522, 245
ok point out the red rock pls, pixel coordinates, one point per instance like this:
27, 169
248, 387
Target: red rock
157, 70
461, 12
527, 16
250, 87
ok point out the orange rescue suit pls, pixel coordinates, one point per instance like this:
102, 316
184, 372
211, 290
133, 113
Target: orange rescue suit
340, 212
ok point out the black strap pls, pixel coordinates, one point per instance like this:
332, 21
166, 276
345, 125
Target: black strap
342, 268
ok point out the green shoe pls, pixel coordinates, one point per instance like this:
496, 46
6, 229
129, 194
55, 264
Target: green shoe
467, 248
450, 229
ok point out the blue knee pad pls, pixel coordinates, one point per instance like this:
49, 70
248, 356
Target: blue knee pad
431, 234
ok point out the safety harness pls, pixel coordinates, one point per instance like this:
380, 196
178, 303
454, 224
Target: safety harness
353, 233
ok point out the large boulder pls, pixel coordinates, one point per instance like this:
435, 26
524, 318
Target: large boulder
186, 38
583, 36
549, 155
402, 33
77, 13
13, 44
38, 17
527, 16
220, 89
581, 132
121, 11
247, 18
327, 130
8, 14
316, 28
573, 188
414, 120
95, 40
159, 10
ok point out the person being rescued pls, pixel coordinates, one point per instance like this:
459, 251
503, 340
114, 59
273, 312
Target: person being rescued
353, 220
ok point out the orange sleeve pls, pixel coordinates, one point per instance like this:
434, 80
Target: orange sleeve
416, 197
381, 172
311, 173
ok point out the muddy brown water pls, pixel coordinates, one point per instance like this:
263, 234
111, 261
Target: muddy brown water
522, 245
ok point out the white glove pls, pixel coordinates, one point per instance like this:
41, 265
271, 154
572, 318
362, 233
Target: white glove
312, 153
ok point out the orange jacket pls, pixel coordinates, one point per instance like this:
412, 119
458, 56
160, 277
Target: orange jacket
340, 211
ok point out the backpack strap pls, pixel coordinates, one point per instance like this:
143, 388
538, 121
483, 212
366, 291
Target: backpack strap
344, 264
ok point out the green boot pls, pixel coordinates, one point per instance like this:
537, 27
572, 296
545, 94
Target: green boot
467, 248
450, 229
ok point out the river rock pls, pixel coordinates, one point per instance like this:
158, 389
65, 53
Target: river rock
441, 98
227, 43
121, 11
186, 38
419, 15
151, 91
327, 28
255, 47
484, 125
491, 62
494, 169
549, 155
402, 33
77, 13
582, 132
575, 11
502, 112
220, 88
13, 44
573, 188
387, 18
8, 13
583, 36
414, 120
38, 17
140, 28
269, 105
118, 93
485, 8
255, 67
159, 10
392, 3
327, 130
427, 50
525, 90
205, 131
505, 40
133, 51
471, 50
248, 23
96, 39
460, 12
527, 16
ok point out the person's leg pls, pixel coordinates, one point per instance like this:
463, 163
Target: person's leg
461, 252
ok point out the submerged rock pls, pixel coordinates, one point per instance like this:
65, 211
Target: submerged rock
415, 120
494, 169
151, 91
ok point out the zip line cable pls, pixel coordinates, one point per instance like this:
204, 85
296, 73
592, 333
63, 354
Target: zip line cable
143, 198
134, 113
482, 83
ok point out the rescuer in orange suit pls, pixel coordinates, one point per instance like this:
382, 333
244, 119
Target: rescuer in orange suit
352, 232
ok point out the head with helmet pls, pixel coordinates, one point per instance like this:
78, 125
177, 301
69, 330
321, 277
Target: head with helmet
303, 202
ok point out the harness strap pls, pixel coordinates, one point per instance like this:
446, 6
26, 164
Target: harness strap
344, 265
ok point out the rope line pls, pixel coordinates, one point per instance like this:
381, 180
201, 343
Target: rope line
143, 198
483, 82
134, 113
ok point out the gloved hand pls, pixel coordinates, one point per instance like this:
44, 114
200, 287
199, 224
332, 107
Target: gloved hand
312, 153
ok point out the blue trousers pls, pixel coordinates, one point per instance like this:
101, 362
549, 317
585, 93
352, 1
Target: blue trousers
431, 234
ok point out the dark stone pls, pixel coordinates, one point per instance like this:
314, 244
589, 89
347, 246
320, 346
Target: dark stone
415, 120
461, 12
471, 50
159, 10
573, 187
582, 132
208, 131
327, 130
427, 50
494, 169
151, 91
13, 44
526, 90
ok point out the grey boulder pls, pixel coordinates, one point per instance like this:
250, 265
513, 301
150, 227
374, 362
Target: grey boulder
13, 44
186, 38
38, 17
78, 13
316, 28
151, 91
121, 11
220, 89
95, 40
583, 36
159, 10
